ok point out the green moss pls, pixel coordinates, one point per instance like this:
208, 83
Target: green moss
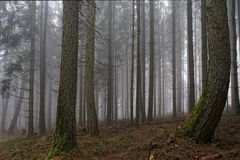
121, 141
190, 123
62, 144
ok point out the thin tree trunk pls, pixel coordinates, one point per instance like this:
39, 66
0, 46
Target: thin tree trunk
151, 68
92, 121
132, 63
138, 89
174, 57
32, 65
191, 93
42, 124
110, 68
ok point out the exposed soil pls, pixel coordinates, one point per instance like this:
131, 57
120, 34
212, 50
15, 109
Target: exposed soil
128, 143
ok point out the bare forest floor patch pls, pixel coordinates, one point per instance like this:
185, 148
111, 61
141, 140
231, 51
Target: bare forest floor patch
128, 143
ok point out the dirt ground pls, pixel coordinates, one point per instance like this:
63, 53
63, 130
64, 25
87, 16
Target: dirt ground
128, 143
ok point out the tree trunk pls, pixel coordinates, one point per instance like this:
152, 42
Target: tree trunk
151, 68
42, 124
5, 100
17, 106
110, 69
92, 121
207, 113
143, 62
233, 40
132, 63
191, 93
174, 58
204, 42
138, 88
64, 139
50, 106
32, 65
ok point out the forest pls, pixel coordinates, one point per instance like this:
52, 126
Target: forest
120, 80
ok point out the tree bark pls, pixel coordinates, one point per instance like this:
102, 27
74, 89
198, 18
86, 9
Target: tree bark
138, 87
207, 113
151, 68
32, 65
92, 121
42, 123
132, 63
174, 58
234, 74
110, 69
191, 93
204, 42
64, 139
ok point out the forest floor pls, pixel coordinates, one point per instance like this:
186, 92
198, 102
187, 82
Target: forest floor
129, 143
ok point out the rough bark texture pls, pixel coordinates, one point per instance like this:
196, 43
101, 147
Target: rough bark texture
32, 64
207, 113
42, 123
65, 131
151, 68
110, 69
191, 92
92, 121
234, 74
49, 119
174, 109
204, 42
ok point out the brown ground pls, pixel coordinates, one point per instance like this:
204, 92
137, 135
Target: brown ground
129, 143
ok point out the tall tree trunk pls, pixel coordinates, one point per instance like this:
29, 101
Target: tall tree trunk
138, 88
32, 65
234, 74
207, 113
42, 123
204, 42
191, 93
132, 63
143, 62
151, 68
179, 63
163, 68
17, 107
64, 139
174, 58
110, 68
92, 121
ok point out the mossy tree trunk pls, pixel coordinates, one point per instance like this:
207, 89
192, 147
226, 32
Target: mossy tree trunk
207, 113
92, 121
65, 131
